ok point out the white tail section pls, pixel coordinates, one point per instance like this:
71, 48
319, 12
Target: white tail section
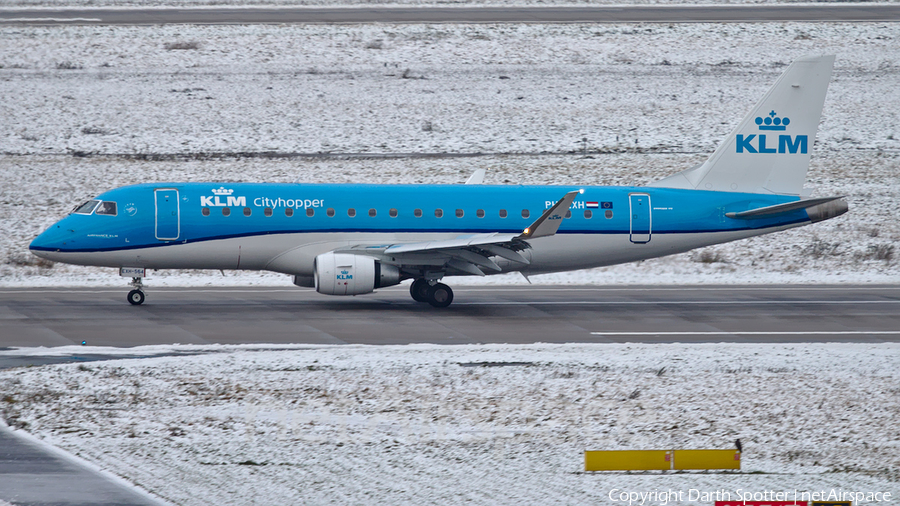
769, 150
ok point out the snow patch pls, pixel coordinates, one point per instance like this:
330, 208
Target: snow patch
488, 423
651, 100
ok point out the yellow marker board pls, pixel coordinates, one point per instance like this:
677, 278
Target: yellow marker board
707, 459
661, 460
628, 460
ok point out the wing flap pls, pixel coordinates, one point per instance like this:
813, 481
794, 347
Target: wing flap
465, 267
476, 259
506, 253
458, 242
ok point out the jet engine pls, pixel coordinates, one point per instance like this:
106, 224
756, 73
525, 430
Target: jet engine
348, 274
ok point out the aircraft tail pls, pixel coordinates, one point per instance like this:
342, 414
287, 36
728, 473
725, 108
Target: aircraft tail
769, 150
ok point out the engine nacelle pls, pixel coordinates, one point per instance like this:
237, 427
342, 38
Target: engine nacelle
347, 274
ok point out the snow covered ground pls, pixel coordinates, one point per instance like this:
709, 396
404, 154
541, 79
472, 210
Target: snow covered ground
650, 100
381, 3
482, 424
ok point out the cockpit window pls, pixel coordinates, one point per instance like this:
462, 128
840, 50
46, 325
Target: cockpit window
86, 208
107, 208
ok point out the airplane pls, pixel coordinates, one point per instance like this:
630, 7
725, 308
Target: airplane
352, 239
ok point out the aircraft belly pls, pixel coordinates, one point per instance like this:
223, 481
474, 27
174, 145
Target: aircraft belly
201, 255
295, 253
564, 252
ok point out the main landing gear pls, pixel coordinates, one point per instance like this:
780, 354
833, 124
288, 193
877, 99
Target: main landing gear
436, 294
136, 296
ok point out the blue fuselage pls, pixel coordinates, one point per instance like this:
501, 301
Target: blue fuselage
160, 216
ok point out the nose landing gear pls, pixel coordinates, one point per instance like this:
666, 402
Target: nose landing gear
136, 296
437, 294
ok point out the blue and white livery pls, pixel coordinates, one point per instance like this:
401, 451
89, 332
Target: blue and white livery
353, 239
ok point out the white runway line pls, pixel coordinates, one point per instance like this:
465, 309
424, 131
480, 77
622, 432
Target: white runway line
766, 333
43, 20
674, 303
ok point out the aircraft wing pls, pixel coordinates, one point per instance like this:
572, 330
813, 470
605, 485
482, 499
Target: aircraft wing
472, 253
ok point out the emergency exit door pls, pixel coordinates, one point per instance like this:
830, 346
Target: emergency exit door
639, 205
168, 220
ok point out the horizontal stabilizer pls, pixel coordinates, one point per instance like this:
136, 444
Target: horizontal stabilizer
779, 209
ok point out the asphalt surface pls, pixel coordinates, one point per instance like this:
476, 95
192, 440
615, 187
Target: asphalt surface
30, 474
519, 314
598, 14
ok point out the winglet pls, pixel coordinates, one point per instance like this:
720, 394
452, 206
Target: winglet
550, 221
477, 177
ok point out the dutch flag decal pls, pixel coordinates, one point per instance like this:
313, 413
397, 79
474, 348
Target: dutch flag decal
593, 204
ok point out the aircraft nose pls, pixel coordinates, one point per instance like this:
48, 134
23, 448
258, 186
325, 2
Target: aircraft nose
49, 242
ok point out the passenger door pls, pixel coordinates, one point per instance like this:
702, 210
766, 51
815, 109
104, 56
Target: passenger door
639, 205
168, 220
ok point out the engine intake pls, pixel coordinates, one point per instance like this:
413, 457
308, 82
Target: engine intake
348, 274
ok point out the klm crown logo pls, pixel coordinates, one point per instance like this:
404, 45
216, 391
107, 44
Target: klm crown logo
757, 143
772, 122
222, 191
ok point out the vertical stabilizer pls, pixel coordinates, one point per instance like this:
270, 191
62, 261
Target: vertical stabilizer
769, 150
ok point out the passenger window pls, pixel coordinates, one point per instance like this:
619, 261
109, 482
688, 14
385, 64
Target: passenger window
459, 213
310, 212
608, 214
525, 213
226, 211
267, 211
372, 213
588, 214
205, 211
106, 208
351, 212
330, 212
438, 213
247, 211
503, 213
417, 213
569, 213
86, 208
480, 213
288, 211
393, 213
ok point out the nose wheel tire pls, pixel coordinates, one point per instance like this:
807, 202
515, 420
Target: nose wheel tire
136, 297
440, 295
419, 290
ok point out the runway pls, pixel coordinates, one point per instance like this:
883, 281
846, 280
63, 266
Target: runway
594, 14
518, 314
32, 474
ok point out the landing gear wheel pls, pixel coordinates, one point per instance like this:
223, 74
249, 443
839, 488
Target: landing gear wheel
440, 295
419, 290
136, 297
